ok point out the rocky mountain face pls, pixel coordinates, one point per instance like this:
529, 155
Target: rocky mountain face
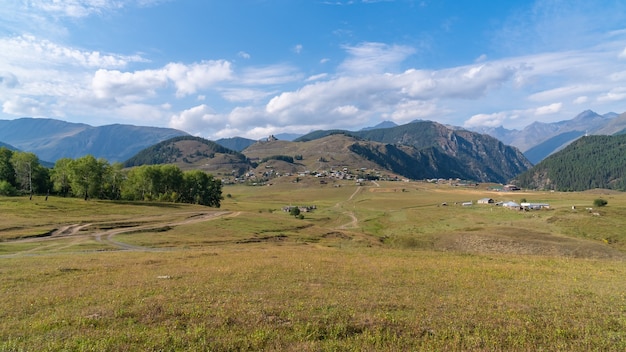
539, 139
52, 139
475, 156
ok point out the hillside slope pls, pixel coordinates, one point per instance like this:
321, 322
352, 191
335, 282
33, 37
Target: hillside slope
458, 152
589, 162
188, 152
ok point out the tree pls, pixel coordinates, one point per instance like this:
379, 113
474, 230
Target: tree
7, 172
87, 176
26, 166
61, 176
294, 211
201, 188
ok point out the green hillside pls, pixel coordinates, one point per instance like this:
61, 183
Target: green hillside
589, 162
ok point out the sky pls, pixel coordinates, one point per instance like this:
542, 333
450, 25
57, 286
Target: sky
252, 68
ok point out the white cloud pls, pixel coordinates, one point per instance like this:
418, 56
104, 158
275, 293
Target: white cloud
564, 92
346, 110
486, 120
29, 50
187, 79
83, 8
615, 94
374, 57
243, 55
298, 48
581, 100
195, 118
268, 75
111, 84
317, 77
548, 109
24, 106
622, 55
8, 80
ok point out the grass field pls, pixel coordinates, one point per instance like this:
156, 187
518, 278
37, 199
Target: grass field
377, 267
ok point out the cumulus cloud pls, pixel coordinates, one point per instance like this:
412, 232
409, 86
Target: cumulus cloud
24, 106
187, 79
195, 118
109, 84
298, 48
486, 120
243, 55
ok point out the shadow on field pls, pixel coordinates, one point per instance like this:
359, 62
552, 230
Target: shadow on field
522, 241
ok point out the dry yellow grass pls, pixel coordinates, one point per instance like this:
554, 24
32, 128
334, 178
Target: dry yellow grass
373, 268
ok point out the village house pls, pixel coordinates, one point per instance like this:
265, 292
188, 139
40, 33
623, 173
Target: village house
486, 201
534, 206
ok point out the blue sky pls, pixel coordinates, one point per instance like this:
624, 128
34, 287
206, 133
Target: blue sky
252, 68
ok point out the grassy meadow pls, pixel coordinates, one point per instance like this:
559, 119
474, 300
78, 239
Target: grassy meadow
381, 266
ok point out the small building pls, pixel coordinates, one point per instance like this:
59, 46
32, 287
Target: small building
511, 205
510, 188
486, 201
534, 206
467, 204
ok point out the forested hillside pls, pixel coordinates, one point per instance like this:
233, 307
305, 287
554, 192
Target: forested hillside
589, 162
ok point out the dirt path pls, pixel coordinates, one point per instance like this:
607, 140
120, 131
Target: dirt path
354, 220
81, 232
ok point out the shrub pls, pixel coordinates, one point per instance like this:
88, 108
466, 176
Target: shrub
600, 202
6, 189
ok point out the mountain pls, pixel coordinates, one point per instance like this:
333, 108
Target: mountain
235, 143
587, 163
384, 124
539, 139
451, 152
188, 152
288, 136
52, 139
8, 146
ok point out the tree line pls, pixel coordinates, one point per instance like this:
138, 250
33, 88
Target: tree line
88, 177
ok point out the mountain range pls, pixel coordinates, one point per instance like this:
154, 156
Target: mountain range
540, 139
417, 150
52, 139
420, 149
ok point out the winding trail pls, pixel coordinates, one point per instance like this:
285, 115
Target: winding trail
354, 220
79, 232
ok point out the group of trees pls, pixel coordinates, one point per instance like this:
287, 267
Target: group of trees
88, 177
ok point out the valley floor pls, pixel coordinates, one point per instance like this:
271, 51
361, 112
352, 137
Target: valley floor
373, 267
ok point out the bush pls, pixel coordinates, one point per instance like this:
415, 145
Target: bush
600, 202
6, 189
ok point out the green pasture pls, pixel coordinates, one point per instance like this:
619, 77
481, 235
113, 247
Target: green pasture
381, 266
